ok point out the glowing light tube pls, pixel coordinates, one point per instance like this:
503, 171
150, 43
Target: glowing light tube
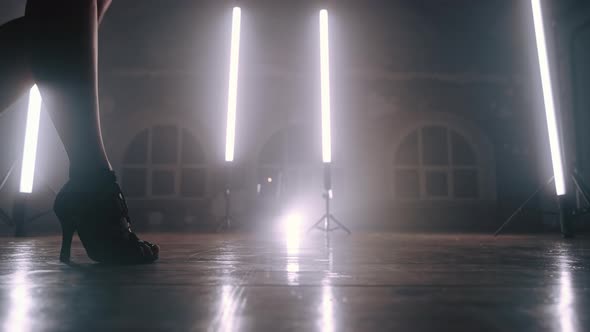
550, 113
232, 98
31, 139
325, 87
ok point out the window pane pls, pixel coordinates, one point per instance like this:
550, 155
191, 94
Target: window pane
462, 151
465, 182
407, 184
435, 146
136, 152
437, 184
163, 183
134, 182
191, 149
193, 182
164, 145
407, 153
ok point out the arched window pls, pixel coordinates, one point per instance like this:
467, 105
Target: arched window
164, 162
436, 162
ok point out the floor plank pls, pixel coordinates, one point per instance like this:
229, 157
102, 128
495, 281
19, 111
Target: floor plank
363, 282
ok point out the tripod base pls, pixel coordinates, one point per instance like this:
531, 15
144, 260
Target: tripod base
224, 224
567, 213
328, 218
325, 224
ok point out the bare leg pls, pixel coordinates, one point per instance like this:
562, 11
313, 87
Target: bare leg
63, 60
15, 72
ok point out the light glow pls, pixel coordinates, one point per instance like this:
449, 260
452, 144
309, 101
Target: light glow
20, 304
327, 309
325, 87
550, 113
231, 304
232, 98
292, 228
31, 140
566, 312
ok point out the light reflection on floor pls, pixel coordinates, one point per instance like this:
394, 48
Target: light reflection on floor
566, 312
327, 309
232, 301
20, 299
292, 233
363, 282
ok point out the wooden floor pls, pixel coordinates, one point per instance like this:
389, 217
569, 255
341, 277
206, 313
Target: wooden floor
363, 282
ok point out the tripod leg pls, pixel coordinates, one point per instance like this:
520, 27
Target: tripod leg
515, 213
7, 176
317, 224
39, 215
5, 218
340, 225
582, 188
223, 224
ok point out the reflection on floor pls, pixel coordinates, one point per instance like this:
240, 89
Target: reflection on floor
362, 282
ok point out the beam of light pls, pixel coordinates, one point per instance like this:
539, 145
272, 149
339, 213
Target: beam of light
325, 87
327, 320
231, 303
292, 228
550, 113
232, 98
31, 140
566, 311
327, 309
20, 303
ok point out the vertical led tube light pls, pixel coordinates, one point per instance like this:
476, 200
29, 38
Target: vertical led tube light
232, 98
31, 139
548, 97
325, 87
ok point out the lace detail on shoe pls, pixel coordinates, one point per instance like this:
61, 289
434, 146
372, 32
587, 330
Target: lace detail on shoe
104, 226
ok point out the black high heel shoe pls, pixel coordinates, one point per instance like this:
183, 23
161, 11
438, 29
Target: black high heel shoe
94, 206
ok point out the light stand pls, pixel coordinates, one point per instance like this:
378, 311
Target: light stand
566, 212
19, 209
18, 218
232, 101
225, 222
325, 222
328, 222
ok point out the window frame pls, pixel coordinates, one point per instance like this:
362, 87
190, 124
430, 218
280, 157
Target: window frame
448, 169
177, 167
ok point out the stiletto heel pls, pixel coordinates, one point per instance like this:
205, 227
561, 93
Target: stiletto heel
67, 230
93, 205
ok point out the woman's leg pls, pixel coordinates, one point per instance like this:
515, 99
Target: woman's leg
15, 73
63, 60
63, 57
